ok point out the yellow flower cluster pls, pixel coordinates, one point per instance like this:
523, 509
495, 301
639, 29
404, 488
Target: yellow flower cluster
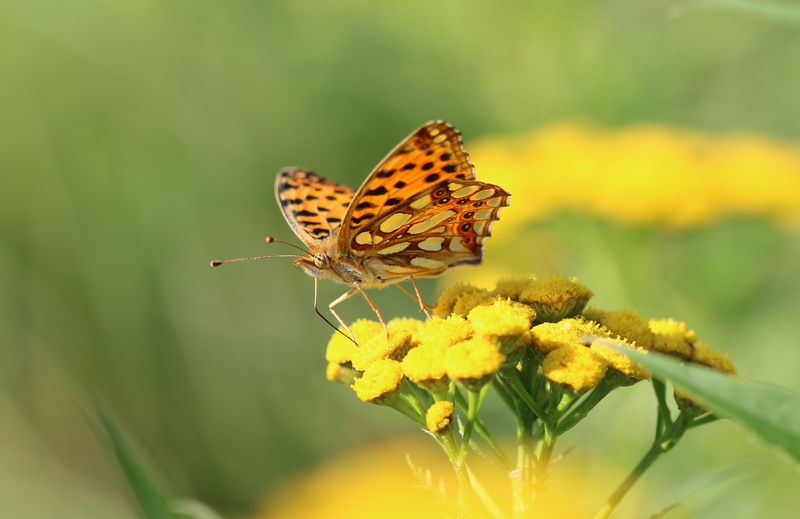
475, 332
643, 174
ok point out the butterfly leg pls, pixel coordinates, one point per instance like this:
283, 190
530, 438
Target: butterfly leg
358, 287
341, 298
423, 306
345, 296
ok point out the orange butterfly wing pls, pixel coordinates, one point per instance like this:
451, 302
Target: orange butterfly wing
313, 205
421, 210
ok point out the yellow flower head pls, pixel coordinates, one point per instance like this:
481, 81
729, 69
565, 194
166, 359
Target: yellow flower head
424, 365
439, 416
444, 332
459, 300
342, 374
547, 337
380, 383
672, 338
473, 362
556, 298
576, 366
687, 403
628, 325
502, 322
379, 347
708, 356
341, 348
620, 362
404, 323
512, 287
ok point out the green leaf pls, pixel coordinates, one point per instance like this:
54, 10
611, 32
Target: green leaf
772, 412
147, 492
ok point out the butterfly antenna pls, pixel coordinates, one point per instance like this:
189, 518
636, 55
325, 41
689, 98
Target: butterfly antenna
270, 239
217, 263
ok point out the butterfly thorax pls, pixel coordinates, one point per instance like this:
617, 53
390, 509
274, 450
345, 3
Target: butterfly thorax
325, 262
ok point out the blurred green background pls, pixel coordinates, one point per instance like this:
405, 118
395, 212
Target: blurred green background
140, 139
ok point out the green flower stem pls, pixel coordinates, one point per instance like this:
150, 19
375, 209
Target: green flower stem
401, 407
702, 421
583, 409
448, 443
519, 476
546, 447
484, 496
485, 434
566, 401
409, 397
666, 442
475, 401
505, 395
664, 414
512, 377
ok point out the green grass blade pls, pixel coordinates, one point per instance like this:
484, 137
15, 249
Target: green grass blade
148, 494
772, 412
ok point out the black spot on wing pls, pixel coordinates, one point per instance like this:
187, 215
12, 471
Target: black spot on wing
362, 218
377, 191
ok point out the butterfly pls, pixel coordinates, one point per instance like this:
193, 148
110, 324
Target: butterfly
418, 213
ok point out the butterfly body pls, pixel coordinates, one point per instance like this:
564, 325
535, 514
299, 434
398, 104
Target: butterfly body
418, 213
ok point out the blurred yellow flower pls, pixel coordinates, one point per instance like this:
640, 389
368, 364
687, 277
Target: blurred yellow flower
643, 174
375, 481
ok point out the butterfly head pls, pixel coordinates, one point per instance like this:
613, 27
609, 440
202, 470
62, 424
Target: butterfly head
316, 265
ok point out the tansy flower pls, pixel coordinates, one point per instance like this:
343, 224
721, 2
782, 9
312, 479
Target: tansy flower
341, 373
512, 287
380, 383
576, 366
459, 300
630, 371
341, 348
439, 416
424, 365
502, 322
672, 338
444, 332
379, 347
628, 325
556, 298
547, 337
687, 403
708, 356
404, 323
473, 363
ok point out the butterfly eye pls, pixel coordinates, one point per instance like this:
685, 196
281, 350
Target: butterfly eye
320, 261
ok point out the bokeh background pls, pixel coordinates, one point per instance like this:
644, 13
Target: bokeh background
140, 139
